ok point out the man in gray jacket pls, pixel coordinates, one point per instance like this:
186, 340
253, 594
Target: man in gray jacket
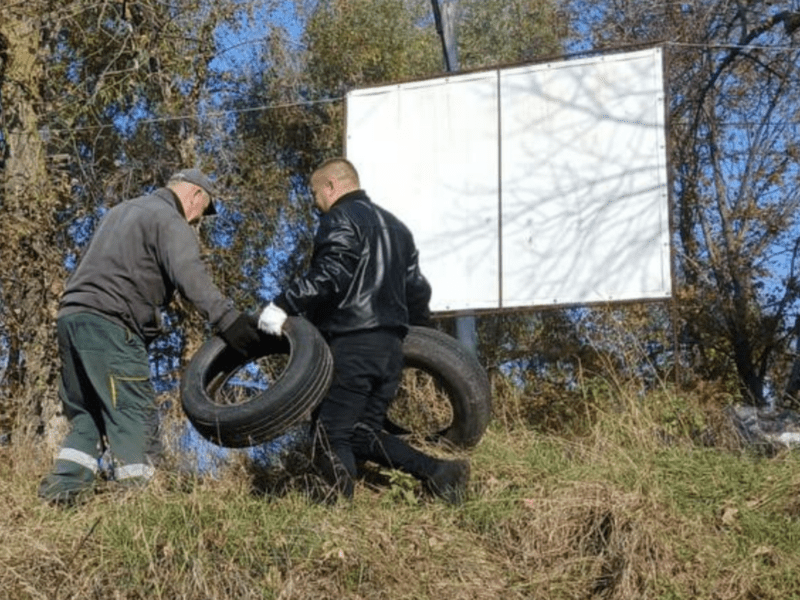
142, 252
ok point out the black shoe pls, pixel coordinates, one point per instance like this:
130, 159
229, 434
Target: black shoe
335, 474
67, 489
449, 481
60, 496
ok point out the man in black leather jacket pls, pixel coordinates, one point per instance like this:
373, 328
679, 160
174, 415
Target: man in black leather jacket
143, 251
362, 290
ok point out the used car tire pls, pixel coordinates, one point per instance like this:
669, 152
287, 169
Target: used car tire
457, 371
288, 399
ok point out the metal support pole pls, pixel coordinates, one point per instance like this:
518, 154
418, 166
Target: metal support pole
444, 14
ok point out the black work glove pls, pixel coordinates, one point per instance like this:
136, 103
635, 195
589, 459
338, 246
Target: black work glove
243, 335
422, 322
420, 318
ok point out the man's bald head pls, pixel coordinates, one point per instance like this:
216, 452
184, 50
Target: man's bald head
333, 179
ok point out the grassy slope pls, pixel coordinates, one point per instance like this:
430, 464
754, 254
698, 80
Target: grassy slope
634, 508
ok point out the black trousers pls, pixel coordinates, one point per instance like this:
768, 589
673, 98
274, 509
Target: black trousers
368, 366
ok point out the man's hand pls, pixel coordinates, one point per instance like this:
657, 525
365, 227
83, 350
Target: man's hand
242, 335
272, 319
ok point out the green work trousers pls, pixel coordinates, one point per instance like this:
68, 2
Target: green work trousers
110, 404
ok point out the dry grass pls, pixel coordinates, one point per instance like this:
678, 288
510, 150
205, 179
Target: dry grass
641, 505
421, 405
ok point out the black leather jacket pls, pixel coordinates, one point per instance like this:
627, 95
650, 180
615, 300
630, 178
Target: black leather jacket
364, 272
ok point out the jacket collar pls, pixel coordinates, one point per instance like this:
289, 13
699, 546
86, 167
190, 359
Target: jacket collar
351, 196
168, 196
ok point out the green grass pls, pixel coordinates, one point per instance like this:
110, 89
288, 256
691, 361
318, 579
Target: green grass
635, 508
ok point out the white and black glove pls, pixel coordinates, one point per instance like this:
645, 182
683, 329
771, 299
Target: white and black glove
272, 319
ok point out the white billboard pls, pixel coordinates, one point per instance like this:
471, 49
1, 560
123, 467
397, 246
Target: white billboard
527, 186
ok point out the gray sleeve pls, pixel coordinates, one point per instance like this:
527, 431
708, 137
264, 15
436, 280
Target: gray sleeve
185, 268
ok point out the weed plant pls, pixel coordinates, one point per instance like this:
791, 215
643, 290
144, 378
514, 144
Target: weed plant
637, 496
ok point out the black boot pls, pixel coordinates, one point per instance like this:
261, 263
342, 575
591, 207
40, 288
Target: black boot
69, 484
448, 481
334, 473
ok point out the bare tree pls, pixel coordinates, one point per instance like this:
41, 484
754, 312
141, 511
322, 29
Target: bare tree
733, 80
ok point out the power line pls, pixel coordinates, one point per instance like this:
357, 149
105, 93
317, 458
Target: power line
210, 114
707, 46
266, 107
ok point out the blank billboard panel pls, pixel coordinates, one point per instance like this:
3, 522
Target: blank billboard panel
529, 186
426, 152
584, 200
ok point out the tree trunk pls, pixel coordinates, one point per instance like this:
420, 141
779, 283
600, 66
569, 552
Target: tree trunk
32, 272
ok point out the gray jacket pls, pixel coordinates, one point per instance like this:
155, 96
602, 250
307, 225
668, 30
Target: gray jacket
142, 251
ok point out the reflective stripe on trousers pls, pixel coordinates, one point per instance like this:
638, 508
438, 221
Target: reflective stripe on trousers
87, 461
134, 471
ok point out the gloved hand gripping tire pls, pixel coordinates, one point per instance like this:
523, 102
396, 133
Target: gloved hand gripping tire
243, 335
272, 319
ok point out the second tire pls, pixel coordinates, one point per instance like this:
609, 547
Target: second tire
461, 377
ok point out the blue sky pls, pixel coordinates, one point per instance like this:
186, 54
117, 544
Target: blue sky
240, 47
